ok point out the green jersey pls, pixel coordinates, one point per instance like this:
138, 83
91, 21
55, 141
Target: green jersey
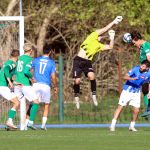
23, 73
91, 45
7, 71
144, 51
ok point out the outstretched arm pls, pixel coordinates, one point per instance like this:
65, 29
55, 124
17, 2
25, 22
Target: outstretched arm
106, 28
111, 37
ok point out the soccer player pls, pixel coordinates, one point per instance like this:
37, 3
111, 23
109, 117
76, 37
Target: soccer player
82, 62
132, 93
6, 86
23, 82
44, 73
144, 48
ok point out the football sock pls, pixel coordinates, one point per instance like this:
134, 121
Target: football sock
146, 101
11, 113
26, 122
132, 124
113, 123
33, 111
93, 86
76, 88
148, 108
44, 120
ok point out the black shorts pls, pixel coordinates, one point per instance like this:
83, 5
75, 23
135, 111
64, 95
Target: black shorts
81, 65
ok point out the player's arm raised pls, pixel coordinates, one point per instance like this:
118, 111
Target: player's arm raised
106, 28
111, 37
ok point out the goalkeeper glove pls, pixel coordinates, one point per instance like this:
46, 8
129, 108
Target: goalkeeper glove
111, 34
118, 19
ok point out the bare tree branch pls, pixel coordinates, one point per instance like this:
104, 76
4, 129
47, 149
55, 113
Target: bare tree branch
11, 6
61, 36
1, 14
43, 30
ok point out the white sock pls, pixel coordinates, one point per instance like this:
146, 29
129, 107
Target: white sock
31, 122
10, 120
113, 123
132, 124
26, 122
44, 120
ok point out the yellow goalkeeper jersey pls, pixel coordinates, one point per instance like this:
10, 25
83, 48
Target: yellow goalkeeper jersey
91, 45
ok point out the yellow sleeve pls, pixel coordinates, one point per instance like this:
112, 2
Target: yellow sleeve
92, 36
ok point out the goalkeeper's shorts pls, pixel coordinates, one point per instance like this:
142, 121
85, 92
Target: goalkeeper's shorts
81, 65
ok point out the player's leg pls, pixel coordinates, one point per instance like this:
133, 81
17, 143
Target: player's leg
44, 93
76, 88
45, 115
7, 94
33, 112
77, 71
134, 118
91, 77
135, 102
145, 90
28, 115
31, 97
123, 100
89, 72
116, 116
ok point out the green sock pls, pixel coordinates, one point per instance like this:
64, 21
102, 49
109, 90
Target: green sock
33, 111
146, 100
11, 113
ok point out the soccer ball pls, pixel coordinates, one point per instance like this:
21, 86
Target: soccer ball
127, 38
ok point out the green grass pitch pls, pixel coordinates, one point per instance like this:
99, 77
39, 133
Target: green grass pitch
76, 139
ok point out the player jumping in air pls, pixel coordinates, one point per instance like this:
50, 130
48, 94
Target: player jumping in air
82, 62
144, 47
23, 80
132, 93
44, 73
6, 86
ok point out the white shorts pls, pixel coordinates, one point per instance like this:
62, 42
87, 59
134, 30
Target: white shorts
43, 92
6, 93
27, 91
134, 99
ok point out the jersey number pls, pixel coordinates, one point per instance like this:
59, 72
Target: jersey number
42, 67
20, 66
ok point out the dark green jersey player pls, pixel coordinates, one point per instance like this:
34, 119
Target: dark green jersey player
144, 48
6, 73
23, 74
82, 62
22, 81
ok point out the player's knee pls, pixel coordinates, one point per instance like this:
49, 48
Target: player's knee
91, 76
17, 102
36, 101
136, 110
77, 81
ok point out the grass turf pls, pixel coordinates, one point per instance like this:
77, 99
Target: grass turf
75, 139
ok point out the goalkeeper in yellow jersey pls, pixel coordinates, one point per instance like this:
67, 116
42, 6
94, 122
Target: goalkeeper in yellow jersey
82, 62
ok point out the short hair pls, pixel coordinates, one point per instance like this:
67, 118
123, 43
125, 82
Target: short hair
47, 48
14, 53
135, 35
146, 62
27, 47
